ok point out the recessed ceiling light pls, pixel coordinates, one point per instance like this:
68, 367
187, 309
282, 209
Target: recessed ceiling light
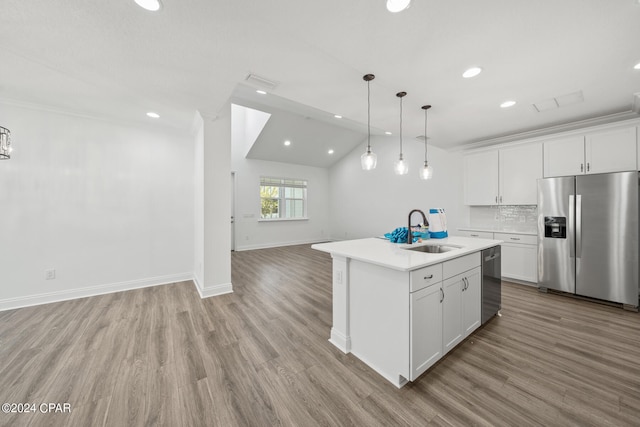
287, 143
337, 116
471, 72
637, 66
395, 6
330, 151
153, 115
261, 92
507, 104
152, 5
388, 133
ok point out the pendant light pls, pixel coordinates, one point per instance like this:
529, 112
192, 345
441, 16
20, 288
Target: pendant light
401, 167
427, 171
368, 160
5, 143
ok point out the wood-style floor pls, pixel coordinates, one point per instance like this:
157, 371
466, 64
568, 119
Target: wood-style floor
260, 357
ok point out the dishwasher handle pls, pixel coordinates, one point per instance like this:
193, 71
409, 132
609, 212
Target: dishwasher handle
491, 257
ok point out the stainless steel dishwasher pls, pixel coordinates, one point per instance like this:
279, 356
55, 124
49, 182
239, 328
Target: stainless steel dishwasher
491, 283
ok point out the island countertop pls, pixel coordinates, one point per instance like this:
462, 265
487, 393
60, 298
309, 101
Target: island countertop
382, 252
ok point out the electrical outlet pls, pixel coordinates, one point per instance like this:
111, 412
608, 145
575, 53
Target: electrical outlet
50, 274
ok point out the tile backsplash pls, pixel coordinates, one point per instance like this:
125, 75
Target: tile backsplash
522, 218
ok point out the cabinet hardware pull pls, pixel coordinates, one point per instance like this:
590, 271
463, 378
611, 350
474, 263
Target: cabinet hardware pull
500, 199
475, 235
588, 166
496, 199
514, 238
428, 277
442, 293
581, 167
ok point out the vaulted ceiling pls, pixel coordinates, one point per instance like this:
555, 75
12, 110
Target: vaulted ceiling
113, 59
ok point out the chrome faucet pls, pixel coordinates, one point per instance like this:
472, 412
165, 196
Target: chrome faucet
425, 223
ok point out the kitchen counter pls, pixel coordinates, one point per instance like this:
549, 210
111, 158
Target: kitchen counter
398, 310
393, 255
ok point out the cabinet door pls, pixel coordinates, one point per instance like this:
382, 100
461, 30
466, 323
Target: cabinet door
564, 157
452, 313
611, 151
481, 179
471, 302
520, 168
426, 329
520, 262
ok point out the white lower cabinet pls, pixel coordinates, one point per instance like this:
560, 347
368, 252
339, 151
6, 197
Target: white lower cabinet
461, 307
444, 313
519, 256
452, 312
426, 329
472, 301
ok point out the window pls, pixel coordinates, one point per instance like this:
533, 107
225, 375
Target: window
282, 198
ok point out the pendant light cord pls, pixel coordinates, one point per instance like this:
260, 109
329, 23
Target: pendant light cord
425, 136
400, 126
368, 116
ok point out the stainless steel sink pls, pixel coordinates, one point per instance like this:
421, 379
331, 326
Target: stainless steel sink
432, 249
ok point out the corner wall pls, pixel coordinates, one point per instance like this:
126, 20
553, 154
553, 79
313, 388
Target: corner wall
109, 206
250, 232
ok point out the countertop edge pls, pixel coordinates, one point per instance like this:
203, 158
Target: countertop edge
410, 264
493, 230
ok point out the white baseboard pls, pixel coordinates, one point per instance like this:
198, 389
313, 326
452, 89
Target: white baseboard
240, 248
341, 341
46, 298
212, 291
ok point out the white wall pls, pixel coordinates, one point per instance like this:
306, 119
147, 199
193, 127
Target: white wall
370, 203
250, 233
217, 201
198, 189
109, 206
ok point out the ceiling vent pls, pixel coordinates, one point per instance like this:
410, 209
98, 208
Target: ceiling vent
559, 101
261, 81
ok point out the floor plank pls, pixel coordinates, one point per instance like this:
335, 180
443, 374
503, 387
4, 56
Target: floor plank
260, 357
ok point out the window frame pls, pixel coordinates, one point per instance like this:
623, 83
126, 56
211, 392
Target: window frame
282, 184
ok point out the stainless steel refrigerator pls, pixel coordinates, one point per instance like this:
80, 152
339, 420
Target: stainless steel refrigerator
588, 242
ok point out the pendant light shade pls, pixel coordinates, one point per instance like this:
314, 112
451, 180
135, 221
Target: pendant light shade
368, 159
427, 171
400, 167
5, 143
395, 6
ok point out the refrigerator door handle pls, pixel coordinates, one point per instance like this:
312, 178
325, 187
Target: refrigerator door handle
578, 226
572, 246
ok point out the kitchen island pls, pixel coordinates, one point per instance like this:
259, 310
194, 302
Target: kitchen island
399, 308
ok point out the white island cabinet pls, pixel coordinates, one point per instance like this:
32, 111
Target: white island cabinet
400, 310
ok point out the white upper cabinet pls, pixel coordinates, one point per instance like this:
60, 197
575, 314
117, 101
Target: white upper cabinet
503, 177
564, 157
481, 178
520, 168
609, 150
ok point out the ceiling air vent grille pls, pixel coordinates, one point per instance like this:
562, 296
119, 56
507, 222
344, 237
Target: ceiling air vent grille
261, 81
559, 101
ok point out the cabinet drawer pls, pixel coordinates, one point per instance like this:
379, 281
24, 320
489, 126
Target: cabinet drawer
460, 265
476, 234
425, 277
524, 239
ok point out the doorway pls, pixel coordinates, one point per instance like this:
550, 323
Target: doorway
233, 211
